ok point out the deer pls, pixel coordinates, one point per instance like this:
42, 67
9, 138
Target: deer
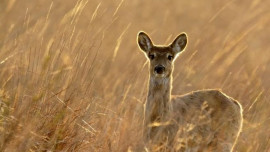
199, 121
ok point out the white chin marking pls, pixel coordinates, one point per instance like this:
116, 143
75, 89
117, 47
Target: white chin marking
160, 75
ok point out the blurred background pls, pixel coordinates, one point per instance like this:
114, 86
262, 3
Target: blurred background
72, 77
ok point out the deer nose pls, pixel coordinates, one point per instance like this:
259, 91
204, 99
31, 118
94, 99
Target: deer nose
159, 69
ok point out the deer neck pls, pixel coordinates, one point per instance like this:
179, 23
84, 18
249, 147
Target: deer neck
158, 104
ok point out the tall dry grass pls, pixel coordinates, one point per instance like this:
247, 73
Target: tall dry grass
73, 79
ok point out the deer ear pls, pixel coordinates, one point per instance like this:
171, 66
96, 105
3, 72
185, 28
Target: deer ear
144, 42
179, 44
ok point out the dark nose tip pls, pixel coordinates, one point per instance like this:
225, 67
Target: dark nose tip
159, 69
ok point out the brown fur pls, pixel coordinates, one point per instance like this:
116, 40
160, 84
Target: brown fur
206, 120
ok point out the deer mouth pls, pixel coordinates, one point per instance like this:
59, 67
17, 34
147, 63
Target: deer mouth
159, 71
160, 75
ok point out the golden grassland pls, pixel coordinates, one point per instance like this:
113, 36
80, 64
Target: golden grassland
73, 79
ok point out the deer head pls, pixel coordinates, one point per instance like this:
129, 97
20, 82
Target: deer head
161, 57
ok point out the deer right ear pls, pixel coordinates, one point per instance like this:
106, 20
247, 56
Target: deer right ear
144, 42
180, 43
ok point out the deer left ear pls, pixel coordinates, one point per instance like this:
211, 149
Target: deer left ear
144, 42
180, 43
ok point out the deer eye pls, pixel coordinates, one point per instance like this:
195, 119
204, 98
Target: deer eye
151, 56
170, 57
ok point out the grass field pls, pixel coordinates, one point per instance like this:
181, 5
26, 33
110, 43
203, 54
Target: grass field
72, 77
